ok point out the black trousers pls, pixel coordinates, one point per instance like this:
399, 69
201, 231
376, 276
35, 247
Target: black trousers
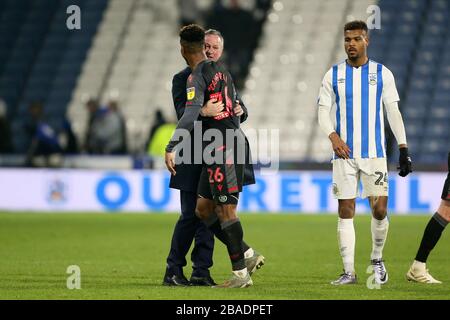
188, 228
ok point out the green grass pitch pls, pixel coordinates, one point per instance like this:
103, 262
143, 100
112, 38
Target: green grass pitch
122, 256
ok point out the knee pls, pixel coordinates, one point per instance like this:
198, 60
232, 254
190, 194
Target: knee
346, 210
444, 210
379, 212
228, 212
379, 209
203, 210
219, 212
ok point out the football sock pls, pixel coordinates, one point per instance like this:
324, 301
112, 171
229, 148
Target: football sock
234, 234
430, 237
346, 241
248, 253
379, 230
241, 273
215, 228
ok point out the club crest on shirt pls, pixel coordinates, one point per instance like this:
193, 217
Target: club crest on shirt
190, 93
372, 79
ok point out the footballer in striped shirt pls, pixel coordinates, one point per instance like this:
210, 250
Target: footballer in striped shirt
350, 112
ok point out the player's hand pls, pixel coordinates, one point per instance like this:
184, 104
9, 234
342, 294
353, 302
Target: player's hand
340, 148
212, 108
404, 161
169, 159
238, 111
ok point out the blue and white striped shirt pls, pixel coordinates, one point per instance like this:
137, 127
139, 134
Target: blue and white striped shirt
356, 95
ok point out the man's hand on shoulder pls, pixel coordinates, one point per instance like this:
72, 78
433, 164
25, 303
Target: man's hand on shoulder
238, 111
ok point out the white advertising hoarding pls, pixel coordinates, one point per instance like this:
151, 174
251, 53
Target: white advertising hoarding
148, 191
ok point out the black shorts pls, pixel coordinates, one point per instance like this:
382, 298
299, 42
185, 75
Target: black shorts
446, 189
222, 182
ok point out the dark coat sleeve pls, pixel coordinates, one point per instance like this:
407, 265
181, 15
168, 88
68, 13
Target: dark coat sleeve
244, 108
179, 91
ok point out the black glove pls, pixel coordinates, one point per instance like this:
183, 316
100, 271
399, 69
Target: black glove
404, 163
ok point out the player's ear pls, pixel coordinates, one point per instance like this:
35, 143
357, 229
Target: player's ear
366, 38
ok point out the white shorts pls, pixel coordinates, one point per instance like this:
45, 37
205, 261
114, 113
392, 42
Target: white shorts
347, 173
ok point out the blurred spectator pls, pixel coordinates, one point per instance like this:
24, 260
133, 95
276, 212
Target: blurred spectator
67, 138
92, 106
114, 106
231, 21
158, 121
189, 12
44, 141
160, 133
105, 130
5, 131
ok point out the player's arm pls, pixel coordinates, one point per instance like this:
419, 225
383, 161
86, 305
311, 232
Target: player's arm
396, 123
185, 124
211, 109
390, 101
325, 102
195, 88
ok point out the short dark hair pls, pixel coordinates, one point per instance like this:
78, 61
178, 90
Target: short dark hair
215, 33
192, 38
356, 25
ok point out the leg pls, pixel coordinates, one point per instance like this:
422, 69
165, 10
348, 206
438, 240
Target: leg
208, 212
418, 271
433, 231
346, 241
444, 210
232, 228
346, 234
202, 254
225, 187
182, 238
214, 226
379, 225
253, 259
374, 178
345, 189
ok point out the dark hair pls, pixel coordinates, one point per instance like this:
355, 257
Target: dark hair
215, 33
192, 38
356, 25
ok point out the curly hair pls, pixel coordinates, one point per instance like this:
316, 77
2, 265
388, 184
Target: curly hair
192, 38
356, 25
